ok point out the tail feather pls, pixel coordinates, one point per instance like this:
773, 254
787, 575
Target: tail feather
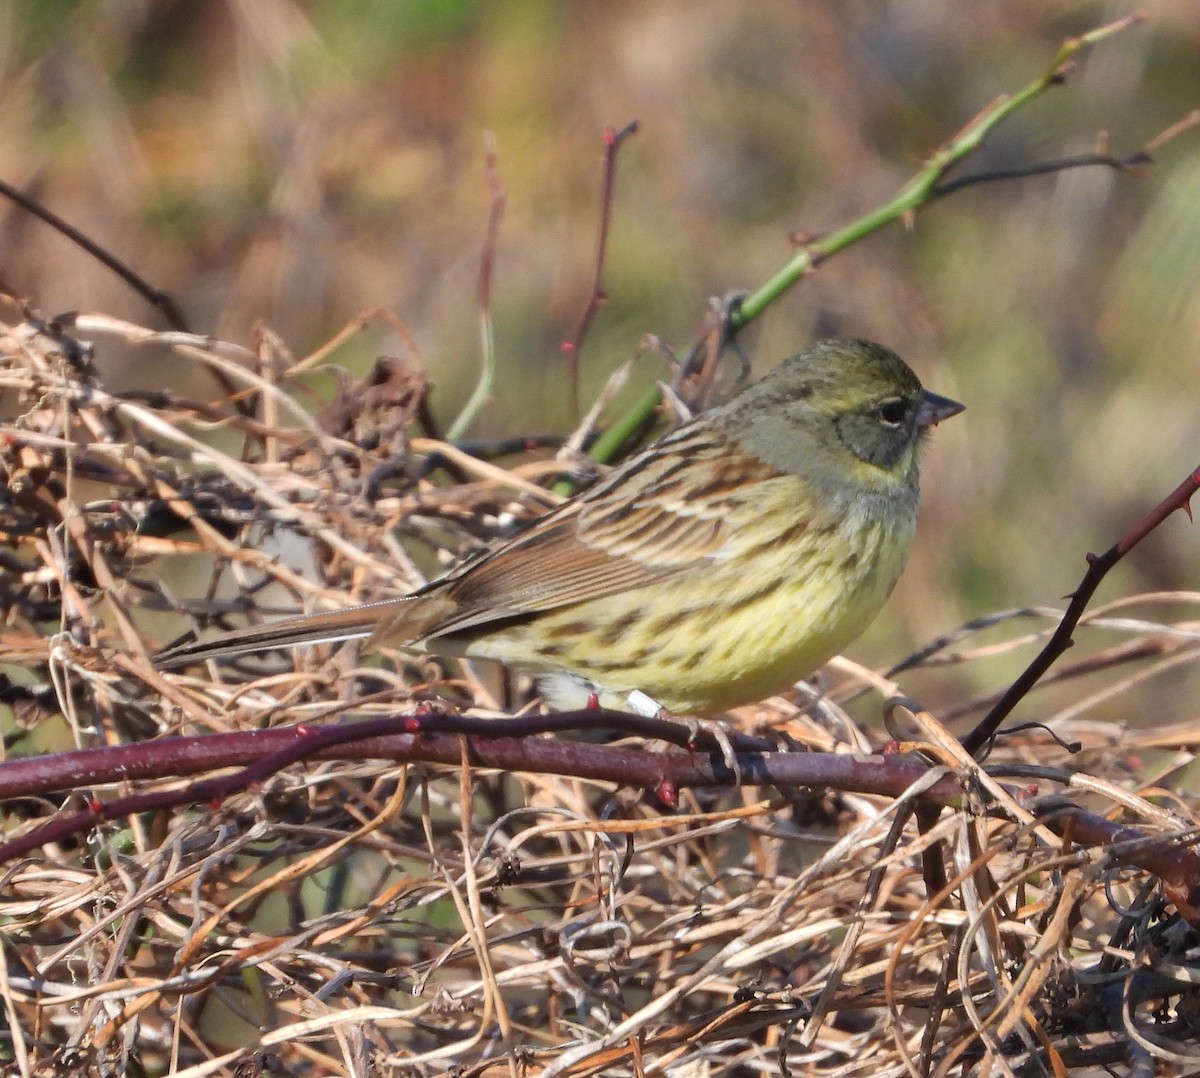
352, 623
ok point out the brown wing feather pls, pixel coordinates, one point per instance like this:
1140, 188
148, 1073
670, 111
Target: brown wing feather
649, 520
659, 515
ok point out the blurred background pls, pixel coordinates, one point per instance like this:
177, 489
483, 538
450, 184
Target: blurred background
292, 162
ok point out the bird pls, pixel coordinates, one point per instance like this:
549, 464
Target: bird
722, 564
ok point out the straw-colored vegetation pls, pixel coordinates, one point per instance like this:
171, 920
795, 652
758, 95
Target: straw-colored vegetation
359, 906
235, 879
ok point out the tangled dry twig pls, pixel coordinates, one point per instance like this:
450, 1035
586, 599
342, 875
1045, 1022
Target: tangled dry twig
344, 912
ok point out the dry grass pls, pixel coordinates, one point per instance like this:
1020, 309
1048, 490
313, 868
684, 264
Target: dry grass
352, 916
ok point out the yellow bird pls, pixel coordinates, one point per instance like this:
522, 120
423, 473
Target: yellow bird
720, 565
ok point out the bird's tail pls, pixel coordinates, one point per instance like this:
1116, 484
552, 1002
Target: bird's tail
406, 618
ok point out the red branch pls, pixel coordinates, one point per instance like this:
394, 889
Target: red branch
1062, 638
498, 199
612, 144
439, 739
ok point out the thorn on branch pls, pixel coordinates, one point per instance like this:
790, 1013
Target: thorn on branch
1192, 119
802, 237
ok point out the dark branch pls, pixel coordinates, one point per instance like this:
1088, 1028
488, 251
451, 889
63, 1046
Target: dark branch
154, 296
613, 141
1061, 639
1062, 164
505, 744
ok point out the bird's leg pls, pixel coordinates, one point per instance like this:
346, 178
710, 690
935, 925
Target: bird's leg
720, 733
646, 706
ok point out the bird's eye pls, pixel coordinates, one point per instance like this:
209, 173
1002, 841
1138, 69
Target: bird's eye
892, 412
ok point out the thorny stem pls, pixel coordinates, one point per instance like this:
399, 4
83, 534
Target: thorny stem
1061, 639
924, 188
504, 744
613, 141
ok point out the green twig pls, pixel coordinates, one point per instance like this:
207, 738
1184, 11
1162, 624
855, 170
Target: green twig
487, 261
921, 190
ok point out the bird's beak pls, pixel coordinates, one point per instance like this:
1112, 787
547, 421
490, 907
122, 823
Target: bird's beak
932, 409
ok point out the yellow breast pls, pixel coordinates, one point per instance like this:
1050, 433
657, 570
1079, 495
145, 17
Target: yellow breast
793, 591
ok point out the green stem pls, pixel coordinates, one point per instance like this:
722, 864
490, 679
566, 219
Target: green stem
915, 195
483, 387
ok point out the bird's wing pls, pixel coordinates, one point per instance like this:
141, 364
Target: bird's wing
650, 520
666, 511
